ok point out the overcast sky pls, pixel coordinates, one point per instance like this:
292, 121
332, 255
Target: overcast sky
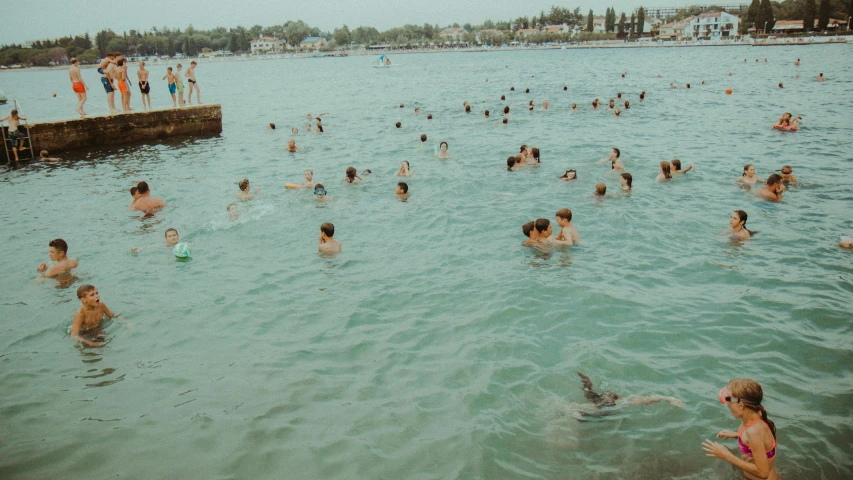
38, 19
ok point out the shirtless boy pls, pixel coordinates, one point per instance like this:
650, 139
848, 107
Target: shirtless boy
89, 319
245, 194
179, 80
57, 251
530, 232
788, 175
105, 68
121, 80
327, 243
146, 202
14, 136
567, 229
773, 189
144, 87
544, 229
193, 84
78, 85
402, 190
173, 84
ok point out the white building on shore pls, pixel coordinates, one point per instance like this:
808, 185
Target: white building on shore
264, 44
714, 25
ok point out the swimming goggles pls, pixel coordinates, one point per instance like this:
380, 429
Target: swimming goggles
726, 396
319, 191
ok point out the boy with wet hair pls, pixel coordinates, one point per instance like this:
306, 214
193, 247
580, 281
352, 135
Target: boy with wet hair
90, 317
402, 190
327, 243
173, 85
600, 189
245, 194
568, 233
788, 175
58, 251
530, 232
145, 202
134, 192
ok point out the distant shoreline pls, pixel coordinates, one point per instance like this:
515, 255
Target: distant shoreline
838, 40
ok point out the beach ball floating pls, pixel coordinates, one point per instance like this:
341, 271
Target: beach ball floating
729, 91
182, 250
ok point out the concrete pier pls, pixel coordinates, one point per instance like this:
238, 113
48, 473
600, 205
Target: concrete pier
59, 137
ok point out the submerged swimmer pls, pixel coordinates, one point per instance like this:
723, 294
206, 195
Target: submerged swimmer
233, 213
404, 170
609, 399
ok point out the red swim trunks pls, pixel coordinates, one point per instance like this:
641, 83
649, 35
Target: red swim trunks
78, 87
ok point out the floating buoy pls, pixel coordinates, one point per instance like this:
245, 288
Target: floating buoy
729, 91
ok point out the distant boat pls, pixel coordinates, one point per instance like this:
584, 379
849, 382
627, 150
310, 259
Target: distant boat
3, 98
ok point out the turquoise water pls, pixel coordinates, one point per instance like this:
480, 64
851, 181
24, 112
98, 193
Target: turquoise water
435, 345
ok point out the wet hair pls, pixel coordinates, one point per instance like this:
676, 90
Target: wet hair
688, 85
351, 173
564, 213
530, 103
628, 178
677, 164
617, 112
600, 188
487, 113
142, 188
272, 126
133, 190
527, 228
406, 162
618, 152
73, 60
319, 186
506, 109
619, 95
84, 290
627, 104
366, 171
574, 106
666, 169
404, 186
14, 114
512, 89
429, 116
467, 108
774, 179
503, 97
510, 162
787, 167
308, 171
743, 216
398, 125
530, 108
780, 85
443, 143
571, 170
746, 167
423, 137
541, 224
43, 154
169, 69
244, 184
401, 105
526, 90
603, 399
611, 101
193, 63
535, 152
121, 62
179, 65
111, 55
328, 229
565, 88
319, 127
750, 394
59, 244
522, 148
505, 121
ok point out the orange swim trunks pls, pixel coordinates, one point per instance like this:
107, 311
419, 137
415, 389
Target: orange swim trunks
78, 87
122, 87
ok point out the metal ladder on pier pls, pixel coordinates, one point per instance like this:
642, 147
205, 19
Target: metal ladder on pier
23, 138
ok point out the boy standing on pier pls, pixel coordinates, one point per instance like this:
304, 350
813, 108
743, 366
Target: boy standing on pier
179, 79
78, 85
144, 88
193, 84
105, 68
173, 82
121, 80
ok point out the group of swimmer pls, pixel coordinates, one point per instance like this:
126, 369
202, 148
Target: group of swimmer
114, 77
756, 435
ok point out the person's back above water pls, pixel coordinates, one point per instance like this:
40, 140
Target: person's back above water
146, 202
327, 243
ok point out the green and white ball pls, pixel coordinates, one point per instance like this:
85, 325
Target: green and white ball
182, 250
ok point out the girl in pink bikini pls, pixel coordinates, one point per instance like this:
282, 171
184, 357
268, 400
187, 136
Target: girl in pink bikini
756, 435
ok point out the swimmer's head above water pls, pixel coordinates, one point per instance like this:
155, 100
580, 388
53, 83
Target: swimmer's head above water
172, 237
320, 190
571, 174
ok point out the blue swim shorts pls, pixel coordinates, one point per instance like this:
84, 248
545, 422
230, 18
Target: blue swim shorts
172, 88
107, 87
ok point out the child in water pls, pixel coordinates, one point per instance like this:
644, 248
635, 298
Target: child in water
756, 435
327, 243
89, 319
57, 250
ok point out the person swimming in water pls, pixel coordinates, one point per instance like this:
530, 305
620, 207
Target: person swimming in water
626, 179
773, 189
665, 171
404, 170
756, 434
609, 399
748, 178
309, 180
786, 121
787, 175
676, 167
443, 151
571, 174
513, 164
737, 226
352, 176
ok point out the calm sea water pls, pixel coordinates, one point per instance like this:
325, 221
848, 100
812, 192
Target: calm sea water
435, 345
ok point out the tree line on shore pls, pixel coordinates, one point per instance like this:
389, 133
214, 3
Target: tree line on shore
191, 41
